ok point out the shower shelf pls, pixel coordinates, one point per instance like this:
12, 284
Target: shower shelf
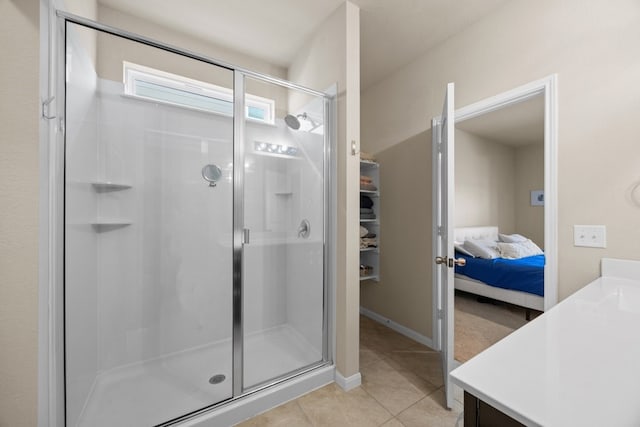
109, 186
101, 224
369, 250
370, 193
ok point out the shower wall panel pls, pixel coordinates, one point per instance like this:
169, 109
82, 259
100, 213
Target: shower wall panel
151, 271
304, 290
81, 267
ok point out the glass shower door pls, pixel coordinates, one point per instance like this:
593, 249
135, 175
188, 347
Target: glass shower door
148, 232
283, 264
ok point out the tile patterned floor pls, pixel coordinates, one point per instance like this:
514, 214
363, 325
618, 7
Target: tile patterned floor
401, 386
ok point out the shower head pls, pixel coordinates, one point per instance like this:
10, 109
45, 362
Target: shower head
292, 121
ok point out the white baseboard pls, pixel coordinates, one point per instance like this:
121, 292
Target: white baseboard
348, 383
410, 333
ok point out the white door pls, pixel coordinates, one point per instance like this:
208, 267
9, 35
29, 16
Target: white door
443, 197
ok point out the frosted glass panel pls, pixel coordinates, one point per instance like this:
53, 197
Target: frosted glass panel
283, 263
148, 242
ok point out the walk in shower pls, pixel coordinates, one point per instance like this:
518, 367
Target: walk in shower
195, 230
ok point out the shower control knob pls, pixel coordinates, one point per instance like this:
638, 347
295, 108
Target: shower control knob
211, 173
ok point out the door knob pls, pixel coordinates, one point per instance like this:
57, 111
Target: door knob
450, 262
459, 261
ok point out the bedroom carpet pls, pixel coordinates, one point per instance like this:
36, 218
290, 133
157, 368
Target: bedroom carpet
480, 325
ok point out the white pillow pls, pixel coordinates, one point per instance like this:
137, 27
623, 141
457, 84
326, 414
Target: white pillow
459, 246
482, 248
511, 238
519, 249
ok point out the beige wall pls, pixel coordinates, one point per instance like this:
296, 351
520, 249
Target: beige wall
327, 58
148, 29
529, 166
19, 141
493, 184
485, 181
593, 47
405, 236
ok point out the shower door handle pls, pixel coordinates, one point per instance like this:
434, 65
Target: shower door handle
246, 234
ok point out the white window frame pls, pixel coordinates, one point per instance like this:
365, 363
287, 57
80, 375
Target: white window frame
135, 72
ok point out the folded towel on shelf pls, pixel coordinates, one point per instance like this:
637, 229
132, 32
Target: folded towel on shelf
366, 242
366, 210
368, 216
366, 156
368, 187
369, 235
365, 270
363, 231
366, 202
366, 179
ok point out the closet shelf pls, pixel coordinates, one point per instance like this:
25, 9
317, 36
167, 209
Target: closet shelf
369, 250
370, 256
109, 186
364, 164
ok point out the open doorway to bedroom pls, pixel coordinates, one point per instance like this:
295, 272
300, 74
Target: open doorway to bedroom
499, 224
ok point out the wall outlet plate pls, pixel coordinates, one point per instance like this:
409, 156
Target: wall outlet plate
591, 236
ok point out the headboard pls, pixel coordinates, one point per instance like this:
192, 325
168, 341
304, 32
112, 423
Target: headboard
489, 232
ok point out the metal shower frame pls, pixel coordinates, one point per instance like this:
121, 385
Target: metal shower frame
56, 360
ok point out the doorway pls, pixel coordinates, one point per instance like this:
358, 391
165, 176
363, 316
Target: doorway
499, 165
443, 145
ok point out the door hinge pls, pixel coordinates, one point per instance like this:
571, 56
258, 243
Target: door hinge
440, 230
440, 314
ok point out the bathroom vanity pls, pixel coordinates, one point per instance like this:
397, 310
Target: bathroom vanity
576, 365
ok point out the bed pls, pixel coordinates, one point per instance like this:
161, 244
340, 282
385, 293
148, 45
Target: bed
526, 292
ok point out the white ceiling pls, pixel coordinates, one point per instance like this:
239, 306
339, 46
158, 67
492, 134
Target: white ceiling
517, 125
393, 32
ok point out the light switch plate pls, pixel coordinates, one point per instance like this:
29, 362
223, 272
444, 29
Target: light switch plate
592, 236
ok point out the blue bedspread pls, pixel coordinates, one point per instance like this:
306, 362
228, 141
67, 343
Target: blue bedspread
524, 274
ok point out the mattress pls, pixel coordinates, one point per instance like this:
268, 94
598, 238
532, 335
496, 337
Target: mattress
524, 274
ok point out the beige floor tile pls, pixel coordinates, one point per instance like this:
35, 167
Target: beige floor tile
393, 422
400, 376
383, 340
331, 406
287, 415
429, 412
389, 387
368, 356
422, 361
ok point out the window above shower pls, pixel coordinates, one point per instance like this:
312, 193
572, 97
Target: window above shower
160, 86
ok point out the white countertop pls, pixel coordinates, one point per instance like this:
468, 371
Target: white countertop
576, 365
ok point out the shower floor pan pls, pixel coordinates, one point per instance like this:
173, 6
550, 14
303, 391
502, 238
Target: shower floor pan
159, 390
